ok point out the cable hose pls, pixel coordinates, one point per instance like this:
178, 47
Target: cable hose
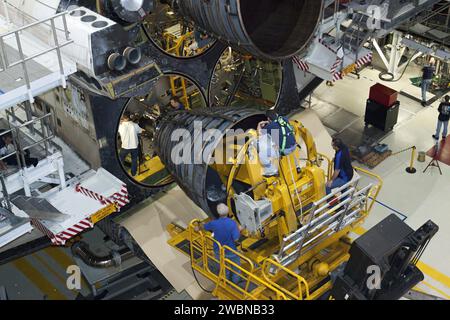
285, 181
391, 79
296, 191
198, 282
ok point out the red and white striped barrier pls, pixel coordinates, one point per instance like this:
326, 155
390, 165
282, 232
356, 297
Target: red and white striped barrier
120, 198
302, 65
359, 63
61, 238
364, 60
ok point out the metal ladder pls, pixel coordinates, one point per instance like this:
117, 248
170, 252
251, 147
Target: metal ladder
325, 219
22, 178
358, 32
182, 87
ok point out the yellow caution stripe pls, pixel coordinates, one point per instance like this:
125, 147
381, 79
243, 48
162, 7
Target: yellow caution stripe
38, 279
446, 296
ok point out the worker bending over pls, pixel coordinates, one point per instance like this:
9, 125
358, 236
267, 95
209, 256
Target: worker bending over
227, 232
343, 169
276, 138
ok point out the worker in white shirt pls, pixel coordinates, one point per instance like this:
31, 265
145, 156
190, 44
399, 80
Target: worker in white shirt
129, 131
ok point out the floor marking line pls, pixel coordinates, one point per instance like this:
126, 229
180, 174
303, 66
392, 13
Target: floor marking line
435, 274
428, 270
390, 208
52, 271
37, 279
60, 257
64, 260
436, 289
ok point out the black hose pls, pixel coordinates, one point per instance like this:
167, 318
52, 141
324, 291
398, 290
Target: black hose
390, 75
287, 185
114, 259
198, 282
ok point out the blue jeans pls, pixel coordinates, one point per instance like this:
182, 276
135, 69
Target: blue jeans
290, 150
134, 158
338, 182
232, 276
425, 85
439, 127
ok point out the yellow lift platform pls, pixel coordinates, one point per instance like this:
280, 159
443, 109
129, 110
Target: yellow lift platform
295, 236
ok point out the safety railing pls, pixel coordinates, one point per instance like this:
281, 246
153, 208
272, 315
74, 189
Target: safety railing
342, 207
36, 126
19, 140
329, 171
378, 182
17, 34
328, 216
300, 285
218, 266
5, 201
375, 189
175, 45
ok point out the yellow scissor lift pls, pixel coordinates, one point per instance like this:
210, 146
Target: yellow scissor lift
297, 248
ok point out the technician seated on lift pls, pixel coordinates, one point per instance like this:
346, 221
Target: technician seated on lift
227, 232
343, 169
276, 138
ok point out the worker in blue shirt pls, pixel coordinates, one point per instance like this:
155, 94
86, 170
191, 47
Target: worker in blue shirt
227, 232
176, 104
343, 169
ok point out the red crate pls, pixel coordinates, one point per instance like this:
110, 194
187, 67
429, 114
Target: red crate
383, 95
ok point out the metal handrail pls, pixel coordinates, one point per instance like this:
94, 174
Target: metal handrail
375, 190
301, 282
19, 150
353, 202
5, 64
329, 165
62, 14
199, 244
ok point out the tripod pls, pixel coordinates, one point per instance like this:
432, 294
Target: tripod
434, 162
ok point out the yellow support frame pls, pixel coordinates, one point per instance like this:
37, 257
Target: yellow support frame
262, 276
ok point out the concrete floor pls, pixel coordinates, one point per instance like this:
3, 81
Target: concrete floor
421, 196
39, 276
